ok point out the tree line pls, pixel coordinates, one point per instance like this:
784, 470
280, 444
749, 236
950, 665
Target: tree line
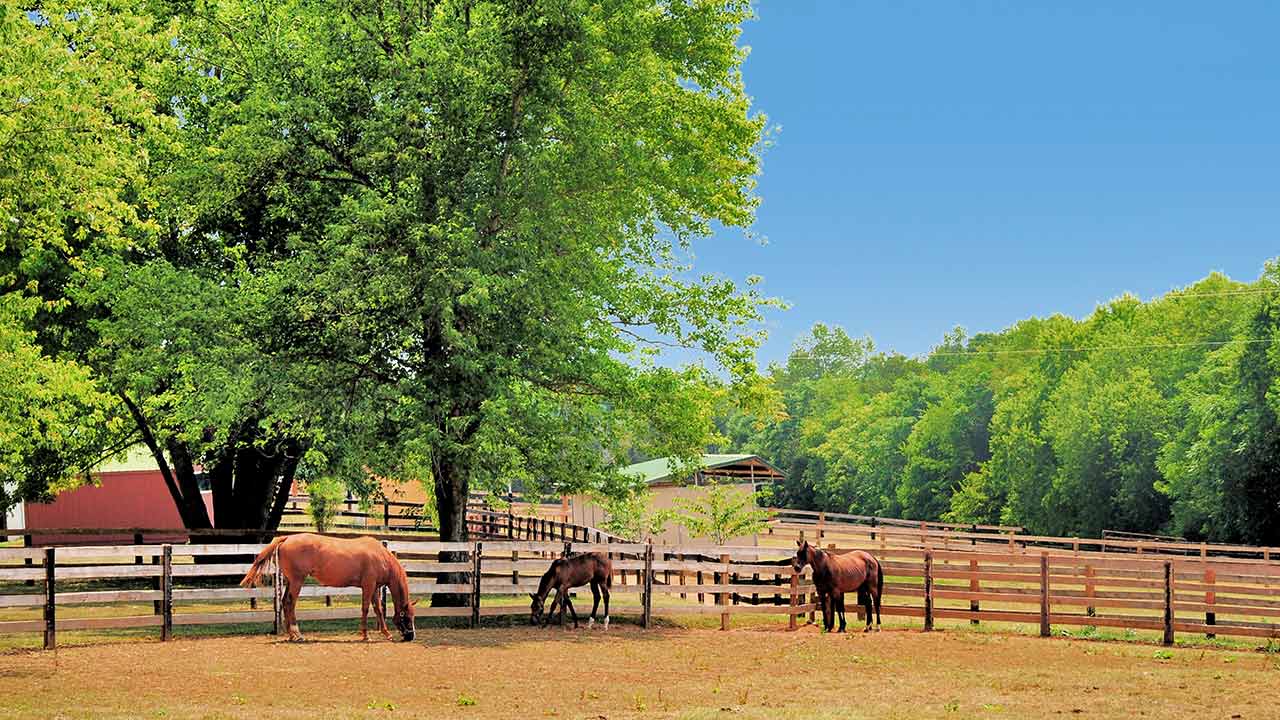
1156, 416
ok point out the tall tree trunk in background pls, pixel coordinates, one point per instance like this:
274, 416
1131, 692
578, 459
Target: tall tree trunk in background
451, 488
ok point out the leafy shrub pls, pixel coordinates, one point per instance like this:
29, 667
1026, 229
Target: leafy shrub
326, 495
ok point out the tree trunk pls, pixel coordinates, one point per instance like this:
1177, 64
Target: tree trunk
451, 503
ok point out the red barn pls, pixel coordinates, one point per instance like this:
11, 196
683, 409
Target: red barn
126, 494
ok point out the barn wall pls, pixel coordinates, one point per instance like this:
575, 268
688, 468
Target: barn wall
129, 499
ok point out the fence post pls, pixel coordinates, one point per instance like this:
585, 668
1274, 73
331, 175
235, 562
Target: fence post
928, 591
974, 586
1044, 594
50, 604
1210, 598
515, 573
277, 595
1168, 602
822, 520
475, 584
137, 540
157, 584
28, 541
1090, 590
722, 597
386, 514
646, 618
795, 584
683, 596
166, 584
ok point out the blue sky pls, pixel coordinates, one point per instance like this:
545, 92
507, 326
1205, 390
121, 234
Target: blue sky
973, 163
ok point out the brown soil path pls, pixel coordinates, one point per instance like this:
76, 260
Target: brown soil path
748, 673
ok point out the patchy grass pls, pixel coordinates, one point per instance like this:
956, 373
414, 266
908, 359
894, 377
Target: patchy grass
753, 671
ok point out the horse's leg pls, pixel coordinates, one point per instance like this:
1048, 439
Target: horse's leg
604, 590
595, 602
876, 597
837, 607
380, 613
293, 588
569, 601
366, 594
551, 611
865, 596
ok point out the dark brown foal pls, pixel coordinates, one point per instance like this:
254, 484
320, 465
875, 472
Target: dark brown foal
565, 573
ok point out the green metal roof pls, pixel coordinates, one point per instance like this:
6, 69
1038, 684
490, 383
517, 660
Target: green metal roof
662, 469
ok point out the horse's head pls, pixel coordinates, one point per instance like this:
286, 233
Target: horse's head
535, 609
804, 555
404, 620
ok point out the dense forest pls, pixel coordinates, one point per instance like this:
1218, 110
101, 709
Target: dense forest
1155, 416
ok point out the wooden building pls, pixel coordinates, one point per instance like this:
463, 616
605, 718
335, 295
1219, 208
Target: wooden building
745, 473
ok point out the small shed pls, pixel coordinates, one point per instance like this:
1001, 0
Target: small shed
746, 473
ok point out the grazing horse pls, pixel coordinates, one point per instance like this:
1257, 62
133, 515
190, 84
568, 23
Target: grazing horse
338, 562
835, 575
595, 568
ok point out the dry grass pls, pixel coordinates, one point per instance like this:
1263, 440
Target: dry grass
758, 671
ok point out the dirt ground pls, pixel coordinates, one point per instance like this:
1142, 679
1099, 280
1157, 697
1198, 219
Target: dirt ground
752, 672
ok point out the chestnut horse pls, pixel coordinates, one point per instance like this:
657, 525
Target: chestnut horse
338, 562
834, 575
595, 568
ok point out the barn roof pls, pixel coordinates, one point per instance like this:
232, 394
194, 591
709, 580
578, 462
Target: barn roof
661, 471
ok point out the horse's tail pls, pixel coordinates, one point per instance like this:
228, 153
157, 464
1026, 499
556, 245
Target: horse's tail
260, 563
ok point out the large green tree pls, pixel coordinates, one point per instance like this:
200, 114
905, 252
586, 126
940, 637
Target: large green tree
1222, 469
482, 212
79, 130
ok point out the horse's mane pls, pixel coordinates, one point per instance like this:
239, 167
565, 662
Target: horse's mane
544, 585
398, 583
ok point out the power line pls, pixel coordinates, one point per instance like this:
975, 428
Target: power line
1151, 346
1174, 295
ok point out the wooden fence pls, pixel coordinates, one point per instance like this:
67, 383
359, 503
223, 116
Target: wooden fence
168, 586
856, 531
485, 523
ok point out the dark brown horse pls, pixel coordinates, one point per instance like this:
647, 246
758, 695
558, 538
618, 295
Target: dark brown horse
338, 562
571, 572
834, 575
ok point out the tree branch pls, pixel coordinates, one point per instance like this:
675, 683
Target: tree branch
154, 446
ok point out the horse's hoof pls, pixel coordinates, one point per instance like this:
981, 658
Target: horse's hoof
867, 630
297, 639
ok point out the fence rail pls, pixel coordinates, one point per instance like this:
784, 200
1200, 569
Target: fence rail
839, 529
196, 584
